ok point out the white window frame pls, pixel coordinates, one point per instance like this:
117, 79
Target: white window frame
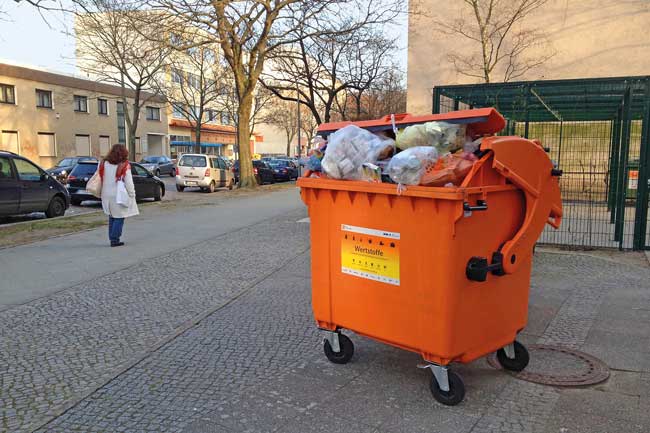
51, 107
13, 87
153, 110
10, 131
56, 150
108, 110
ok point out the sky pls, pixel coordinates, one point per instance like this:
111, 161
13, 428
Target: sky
29, 39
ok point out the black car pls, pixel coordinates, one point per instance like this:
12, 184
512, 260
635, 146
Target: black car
63, 168
284, 169
146, 184
262, 170
159, 165
27, 188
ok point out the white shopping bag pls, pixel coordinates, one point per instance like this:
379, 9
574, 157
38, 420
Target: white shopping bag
122, 197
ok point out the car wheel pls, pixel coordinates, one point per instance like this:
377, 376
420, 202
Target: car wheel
56, 208
158, 194
173, 172
273, 179
158, 173
75, 202
180, 188
211, 187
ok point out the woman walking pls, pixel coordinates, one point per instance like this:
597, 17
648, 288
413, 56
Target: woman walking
114, 168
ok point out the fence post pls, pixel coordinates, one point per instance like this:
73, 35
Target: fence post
613, 164
619, 227
641, 211
436, 101
526, 102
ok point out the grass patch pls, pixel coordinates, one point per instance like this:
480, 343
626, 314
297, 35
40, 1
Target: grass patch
22, 233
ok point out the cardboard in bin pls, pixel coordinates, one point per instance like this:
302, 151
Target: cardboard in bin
481, 121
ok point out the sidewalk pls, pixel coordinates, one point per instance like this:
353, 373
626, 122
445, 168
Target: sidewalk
45, 267
213, 339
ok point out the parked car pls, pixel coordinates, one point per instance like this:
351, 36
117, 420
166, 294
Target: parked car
262, 170
207, 172
63, 168
27, 188
284, 169
146, 184
159, 165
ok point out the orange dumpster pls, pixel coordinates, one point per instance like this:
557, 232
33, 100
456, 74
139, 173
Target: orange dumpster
443, 272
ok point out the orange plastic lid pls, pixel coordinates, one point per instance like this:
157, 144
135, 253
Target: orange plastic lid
482, 120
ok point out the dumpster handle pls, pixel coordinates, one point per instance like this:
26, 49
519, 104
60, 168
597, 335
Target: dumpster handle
480, 205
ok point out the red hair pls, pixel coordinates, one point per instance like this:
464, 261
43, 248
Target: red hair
117, 154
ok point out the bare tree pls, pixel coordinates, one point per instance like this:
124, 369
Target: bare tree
109, 49
308, 126
387, 95
504, 43
198, 86
249, 31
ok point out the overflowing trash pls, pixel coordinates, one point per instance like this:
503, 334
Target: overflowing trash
434, 153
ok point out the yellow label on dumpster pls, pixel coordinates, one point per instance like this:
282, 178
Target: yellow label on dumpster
369, 253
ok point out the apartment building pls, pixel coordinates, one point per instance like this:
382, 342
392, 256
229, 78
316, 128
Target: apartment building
47, 116
591, 38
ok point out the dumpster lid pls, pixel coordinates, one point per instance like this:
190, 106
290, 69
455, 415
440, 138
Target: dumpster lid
483, 121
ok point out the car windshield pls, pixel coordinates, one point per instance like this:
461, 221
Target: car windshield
151, 160
193, 161
66, 162
84, 170
278, 163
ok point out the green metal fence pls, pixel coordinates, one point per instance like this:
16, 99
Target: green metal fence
598, 132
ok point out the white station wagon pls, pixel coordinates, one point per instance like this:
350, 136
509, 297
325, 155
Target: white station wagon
207, 172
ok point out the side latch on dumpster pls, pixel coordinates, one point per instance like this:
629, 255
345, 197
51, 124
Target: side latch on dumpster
478, 267
480, 205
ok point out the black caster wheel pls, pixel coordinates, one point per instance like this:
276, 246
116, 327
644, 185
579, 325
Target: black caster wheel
342, 357
519, 362
456, 392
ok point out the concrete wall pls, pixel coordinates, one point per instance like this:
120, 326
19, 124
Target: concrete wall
61, 120
592, 38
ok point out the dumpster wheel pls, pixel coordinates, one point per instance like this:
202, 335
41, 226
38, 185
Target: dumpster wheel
514, 363
346, 350
456, 392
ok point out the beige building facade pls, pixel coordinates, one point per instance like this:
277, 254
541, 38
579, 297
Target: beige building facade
591, 38
46, 116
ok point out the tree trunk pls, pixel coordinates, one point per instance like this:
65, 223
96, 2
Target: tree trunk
197, 139
246, 176
289, 144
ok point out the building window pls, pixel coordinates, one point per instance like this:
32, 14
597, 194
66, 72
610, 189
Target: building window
121, 123
46, 144
180, 138
43, 98
177, 76
225, 118
193, 81
177, 111
7, 94
212, 115
9, 141
153, 113
80, 104
102, 107
175, 39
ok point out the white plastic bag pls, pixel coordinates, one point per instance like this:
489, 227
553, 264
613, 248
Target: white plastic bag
349, 148
122, 197
408, 166
445, 137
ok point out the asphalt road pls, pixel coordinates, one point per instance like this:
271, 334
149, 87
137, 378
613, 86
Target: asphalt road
66, 261
93, 206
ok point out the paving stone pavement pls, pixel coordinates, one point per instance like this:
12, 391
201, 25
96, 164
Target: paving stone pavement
256, 364
55, 349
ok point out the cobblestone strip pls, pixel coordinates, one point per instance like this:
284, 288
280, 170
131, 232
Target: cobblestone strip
55, 351
523, 406
220, 365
